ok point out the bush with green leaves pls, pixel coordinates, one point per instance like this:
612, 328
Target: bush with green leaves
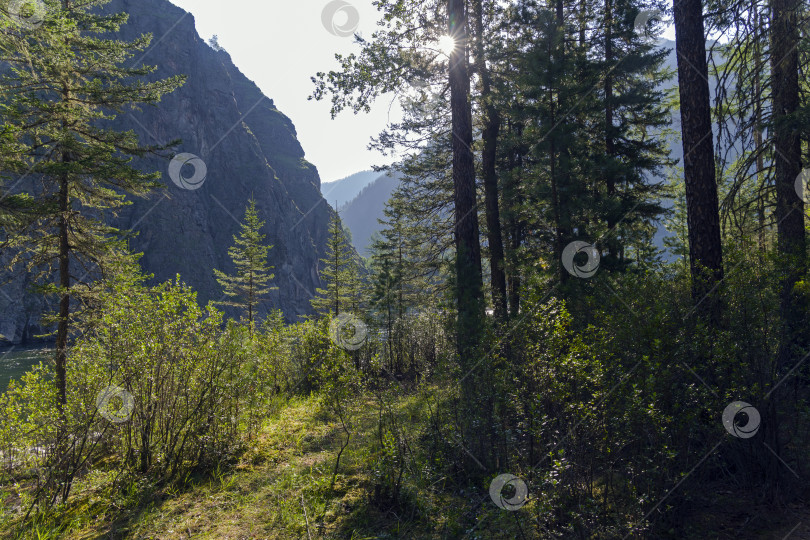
180, 369
155, 382
26, 422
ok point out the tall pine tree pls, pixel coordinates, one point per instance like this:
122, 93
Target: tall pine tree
64, 83
248, 284
703, 219
339, 272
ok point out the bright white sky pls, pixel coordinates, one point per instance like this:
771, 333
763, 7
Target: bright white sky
280, 44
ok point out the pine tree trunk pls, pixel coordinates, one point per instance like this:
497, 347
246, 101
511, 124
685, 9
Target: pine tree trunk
64, 301
553, 53
758, 130
469, 281
489, 134
336, 248
61, 467
251, 301
558, 170
61, 454
514, 225
789, 207
703, 219
610, 143
787, 164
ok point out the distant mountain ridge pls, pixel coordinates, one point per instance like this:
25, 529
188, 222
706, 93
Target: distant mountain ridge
362, 213
340, 192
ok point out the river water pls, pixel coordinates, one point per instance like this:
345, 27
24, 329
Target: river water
15, 361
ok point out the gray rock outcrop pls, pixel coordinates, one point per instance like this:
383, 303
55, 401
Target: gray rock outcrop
249, 148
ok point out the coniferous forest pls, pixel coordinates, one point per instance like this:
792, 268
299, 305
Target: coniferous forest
586, 314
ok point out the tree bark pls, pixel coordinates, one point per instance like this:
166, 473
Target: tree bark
64, 301
558, 167
489, 134
789, 211
469, 281
476, 402
703, 218
787, 164
610, 146
758, 131
514, 225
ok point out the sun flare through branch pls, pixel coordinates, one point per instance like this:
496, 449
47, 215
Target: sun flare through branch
447, 44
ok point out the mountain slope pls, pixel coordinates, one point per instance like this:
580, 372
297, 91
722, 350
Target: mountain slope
249, 148
341, 191
362, 212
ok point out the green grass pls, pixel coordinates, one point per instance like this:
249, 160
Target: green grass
286, 471
281, 488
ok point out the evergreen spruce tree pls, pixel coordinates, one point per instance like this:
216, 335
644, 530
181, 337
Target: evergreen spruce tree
405, 270
248, 284
339, 272
386, 280
400, 282
586, 135
64, 82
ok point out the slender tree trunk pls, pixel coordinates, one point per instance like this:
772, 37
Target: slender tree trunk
516, 236
401, 306
703, 219
469, 283
475, 410
555, 202
250, 306
556, 169
514, 225
63, 326
61, 470
490, 133
62, 467
610, 143
390, 325
64, 284
789, 207
758, 129
610, 146
787, 162
336, 247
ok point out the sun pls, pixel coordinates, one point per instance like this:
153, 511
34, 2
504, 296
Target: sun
447, 44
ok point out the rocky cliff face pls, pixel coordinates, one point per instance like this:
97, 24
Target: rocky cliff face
248, 148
